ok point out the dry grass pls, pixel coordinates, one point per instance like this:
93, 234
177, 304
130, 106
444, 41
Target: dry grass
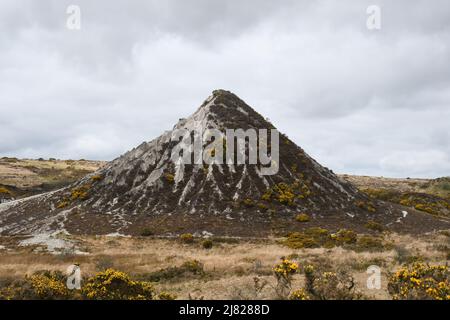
438, 187
29, 173
229, 268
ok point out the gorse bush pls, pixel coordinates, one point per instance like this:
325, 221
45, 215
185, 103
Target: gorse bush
49, 285
96, 178
3, 190
193, 266
42, 285
166, 296
284, 272
146, 232
302, 217
207, 244
262, 207
80, 193
432, 204
187, 238
248, 203
299, 294
326, 285
106, 285
62, 204
310, 238
375, 226
287, 194
420, 281
116, 285
169, 177
284, 193
317, 237
319, 285
285, 269
344, 237
369, 243
369, 206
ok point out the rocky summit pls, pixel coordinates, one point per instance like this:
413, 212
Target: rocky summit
145, 189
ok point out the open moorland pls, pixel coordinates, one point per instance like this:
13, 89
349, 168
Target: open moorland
315, 263
194, 268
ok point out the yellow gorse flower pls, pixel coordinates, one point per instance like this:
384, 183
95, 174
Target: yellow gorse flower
421, 281
286, 268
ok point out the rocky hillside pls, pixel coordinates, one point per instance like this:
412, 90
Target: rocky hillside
145, 189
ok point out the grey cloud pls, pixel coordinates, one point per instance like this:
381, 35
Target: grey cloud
358, 101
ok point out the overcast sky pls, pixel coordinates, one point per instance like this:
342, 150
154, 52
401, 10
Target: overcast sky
360, 101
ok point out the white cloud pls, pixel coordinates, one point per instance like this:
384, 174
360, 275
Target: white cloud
416, 163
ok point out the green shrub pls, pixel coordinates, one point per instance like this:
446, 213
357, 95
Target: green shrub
116, 285
433, 202
42, 285
109, 284
298, 240
284, 273
328, 285
317, 237
287, 193
344, 237
207, 244
248, 203
80, 193
263, 207
369, 243
166, 296
96, 178
193, 266
62, 204
3, 190
302, 217
299, 294
420, 282
375, 226
169, 177
187, 238
425, 208
369, 206
187, 269
146, 232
